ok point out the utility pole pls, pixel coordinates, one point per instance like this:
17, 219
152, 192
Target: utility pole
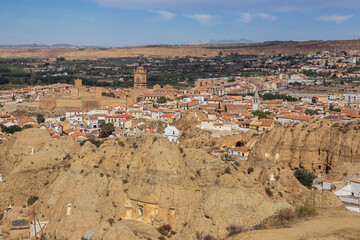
34, 222
313, 197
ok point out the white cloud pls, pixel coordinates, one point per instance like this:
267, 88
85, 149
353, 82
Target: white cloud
266, 16
203, 19
245, 18
231, 5
334, 18
164, 15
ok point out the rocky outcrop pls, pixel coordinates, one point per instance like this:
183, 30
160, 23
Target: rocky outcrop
30, 162
128, 187
317, 141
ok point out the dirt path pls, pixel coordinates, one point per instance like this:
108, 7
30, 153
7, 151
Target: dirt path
335, 225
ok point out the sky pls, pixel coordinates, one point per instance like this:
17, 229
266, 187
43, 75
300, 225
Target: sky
149, 22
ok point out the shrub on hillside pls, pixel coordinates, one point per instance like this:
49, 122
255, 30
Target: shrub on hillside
209, 237
269, 192
305, 210
97, 143
31, 200
305, 177
165, 229
233, 230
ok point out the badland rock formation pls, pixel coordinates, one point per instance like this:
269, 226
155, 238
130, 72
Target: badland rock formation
129, 187
316, 141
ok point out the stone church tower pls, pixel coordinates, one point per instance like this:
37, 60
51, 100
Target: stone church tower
140, 77
256, 102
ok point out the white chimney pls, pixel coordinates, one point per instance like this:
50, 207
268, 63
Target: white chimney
272, 177
68, 210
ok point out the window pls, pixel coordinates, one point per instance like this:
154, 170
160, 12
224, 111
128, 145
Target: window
140, 211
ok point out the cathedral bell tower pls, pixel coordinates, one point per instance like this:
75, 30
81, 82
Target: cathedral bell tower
256, 102
140, 77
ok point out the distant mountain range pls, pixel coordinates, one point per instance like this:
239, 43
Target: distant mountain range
69, 46
212, 41
44, 46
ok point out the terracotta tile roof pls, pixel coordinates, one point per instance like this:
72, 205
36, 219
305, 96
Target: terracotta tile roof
118, 132
240, 149
214, 98
266, 122
23, 120
226, 117
167, 115
77, 134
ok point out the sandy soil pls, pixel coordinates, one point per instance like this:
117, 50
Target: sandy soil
328, 225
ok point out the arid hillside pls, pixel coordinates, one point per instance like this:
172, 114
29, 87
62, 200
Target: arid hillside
135, 187
321, 142
267, 48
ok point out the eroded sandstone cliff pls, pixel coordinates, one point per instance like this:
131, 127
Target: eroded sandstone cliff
129, 187
332, 146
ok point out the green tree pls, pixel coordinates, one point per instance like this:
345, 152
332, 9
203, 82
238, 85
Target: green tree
106, 130
10, 130
3, 128
27, 126
261, 114
40, 118
311, 112
270, 96
31, 200
110, 94
4, 81
161, 100
305, 177
225, 108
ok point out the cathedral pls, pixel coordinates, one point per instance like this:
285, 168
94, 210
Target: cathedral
140, 77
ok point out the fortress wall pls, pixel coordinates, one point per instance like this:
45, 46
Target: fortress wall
93, 103
47, 104
112, 102
76, 103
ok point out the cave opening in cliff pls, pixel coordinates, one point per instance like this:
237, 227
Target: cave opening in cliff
327, 168
240, 144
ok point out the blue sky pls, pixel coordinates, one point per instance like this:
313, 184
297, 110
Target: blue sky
144, 22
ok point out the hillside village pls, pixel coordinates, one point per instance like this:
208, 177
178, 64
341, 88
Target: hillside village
252, 134
180, 120
231, 104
